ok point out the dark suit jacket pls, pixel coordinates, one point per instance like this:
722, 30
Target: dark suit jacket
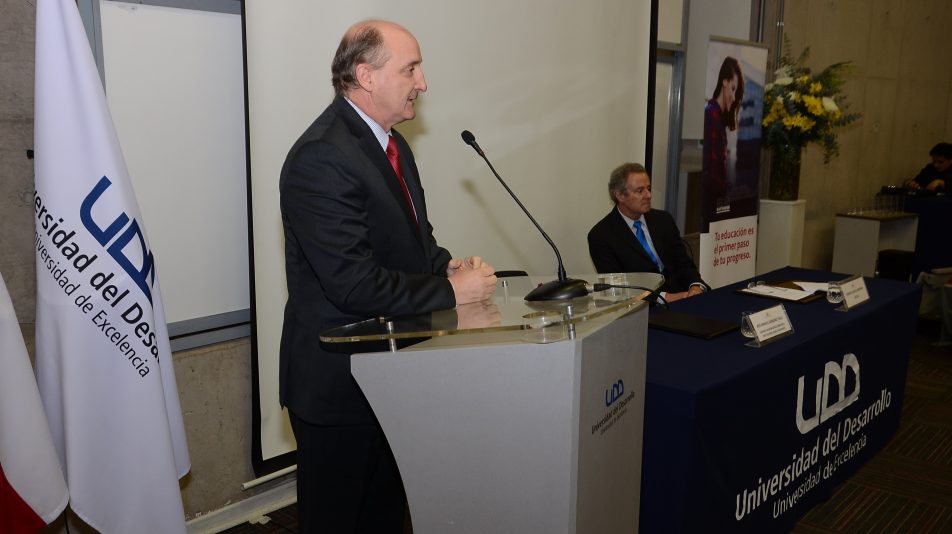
352, 252
615, 249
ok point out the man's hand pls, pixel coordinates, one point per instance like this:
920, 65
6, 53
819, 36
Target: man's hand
935, 183
473, 279
671, 297
469, 262
692, 291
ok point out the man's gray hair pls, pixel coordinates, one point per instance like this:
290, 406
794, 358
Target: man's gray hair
619, 178
362, 45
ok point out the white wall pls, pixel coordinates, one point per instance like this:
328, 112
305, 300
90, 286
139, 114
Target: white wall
723, 18
670, 15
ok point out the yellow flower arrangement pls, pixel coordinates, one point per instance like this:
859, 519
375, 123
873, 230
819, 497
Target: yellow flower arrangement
804, 108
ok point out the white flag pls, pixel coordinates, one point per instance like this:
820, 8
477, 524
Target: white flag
32, 489
104, 365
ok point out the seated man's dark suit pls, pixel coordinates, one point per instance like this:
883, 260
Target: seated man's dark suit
352, 252
615, 249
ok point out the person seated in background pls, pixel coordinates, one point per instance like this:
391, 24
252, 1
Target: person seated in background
935, 175
635, 238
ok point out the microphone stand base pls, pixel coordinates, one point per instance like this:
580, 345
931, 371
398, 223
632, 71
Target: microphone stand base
559, 290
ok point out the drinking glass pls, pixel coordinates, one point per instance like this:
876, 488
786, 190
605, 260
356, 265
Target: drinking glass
834, 293
619, 279
746, 328
544, 327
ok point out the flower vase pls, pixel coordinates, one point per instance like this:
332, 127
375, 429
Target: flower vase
784, 172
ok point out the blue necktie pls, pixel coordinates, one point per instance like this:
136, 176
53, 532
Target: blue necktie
640, 234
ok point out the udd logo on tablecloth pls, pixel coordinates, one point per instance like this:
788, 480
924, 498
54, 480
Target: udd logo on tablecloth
833, 372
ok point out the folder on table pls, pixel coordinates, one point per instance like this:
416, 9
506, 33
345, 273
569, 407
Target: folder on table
690, 324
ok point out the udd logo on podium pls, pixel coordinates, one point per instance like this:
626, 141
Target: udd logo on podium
614, 393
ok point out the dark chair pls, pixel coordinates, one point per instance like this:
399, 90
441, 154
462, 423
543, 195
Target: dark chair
895, 264
509, 274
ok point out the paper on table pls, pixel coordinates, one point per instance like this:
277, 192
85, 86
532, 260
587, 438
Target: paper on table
778, 292
811, 287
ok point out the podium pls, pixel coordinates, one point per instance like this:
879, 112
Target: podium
500, 424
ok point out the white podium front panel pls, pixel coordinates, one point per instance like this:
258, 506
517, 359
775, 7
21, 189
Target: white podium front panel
493, 434
612, 407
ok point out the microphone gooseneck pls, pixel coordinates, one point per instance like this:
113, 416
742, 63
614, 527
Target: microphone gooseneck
562, 289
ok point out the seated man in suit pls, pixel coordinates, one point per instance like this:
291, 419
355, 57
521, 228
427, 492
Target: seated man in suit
635, 238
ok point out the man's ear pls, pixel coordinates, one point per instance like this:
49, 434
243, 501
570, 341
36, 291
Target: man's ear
364, 74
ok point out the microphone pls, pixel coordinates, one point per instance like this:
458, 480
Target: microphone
562, 289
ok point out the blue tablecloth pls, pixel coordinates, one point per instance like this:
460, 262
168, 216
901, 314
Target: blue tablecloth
932, 235
723, 451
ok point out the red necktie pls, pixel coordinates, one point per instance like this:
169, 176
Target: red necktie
394, 158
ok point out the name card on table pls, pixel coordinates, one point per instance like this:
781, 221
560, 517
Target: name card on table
769, 325
854, 292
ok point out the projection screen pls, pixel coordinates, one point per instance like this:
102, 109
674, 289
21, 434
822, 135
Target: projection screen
556, 92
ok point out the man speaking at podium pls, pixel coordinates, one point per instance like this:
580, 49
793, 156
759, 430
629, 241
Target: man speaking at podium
358, 244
